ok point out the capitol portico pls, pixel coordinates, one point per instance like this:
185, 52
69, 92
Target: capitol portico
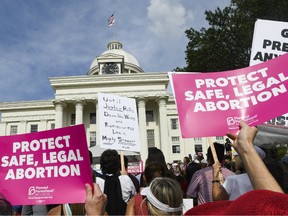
115, 71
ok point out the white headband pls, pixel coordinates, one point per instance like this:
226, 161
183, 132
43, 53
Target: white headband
159, 205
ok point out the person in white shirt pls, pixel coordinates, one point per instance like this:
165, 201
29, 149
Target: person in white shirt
234, 185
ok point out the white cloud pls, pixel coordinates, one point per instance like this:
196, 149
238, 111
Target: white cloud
168, 19
41, 39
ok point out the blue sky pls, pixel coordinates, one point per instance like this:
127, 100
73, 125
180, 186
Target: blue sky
52, 38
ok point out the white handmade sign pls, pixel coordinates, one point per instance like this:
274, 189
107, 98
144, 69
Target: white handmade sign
118, 123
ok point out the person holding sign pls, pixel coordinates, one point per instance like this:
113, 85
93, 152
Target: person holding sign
96, 201
200, 186
234, 185
267, 196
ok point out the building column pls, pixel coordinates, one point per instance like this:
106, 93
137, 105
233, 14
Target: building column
23, 124
4, 127
59, 107
79, 104
141, 102
43, 126
164, 136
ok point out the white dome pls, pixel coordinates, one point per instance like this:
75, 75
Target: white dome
115, 48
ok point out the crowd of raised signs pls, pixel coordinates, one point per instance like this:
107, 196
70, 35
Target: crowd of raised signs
246, 179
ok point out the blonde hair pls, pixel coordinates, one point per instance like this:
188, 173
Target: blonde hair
166, 192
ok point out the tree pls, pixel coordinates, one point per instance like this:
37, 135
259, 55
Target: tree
226, 44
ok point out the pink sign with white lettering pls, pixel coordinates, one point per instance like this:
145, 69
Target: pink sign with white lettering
210, 104
47, 167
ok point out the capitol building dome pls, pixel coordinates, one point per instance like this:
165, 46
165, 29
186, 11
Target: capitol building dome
126, 62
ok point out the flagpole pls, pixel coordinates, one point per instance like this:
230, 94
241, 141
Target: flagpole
115, 30
114, 27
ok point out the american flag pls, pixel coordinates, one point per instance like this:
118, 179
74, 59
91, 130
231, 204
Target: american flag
111, 20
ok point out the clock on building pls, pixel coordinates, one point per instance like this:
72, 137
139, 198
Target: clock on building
110, 68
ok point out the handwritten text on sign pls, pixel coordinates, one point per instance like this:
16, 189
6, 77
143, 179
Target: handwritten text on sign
118, 123
222, 99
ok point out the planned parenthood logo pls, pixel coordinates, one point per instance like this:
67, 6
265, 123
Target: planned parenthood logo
233, 122
31, 191
40, 193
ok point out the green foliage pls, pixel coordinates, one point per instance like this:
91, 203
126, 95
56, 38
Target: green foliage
282, 150
226, 44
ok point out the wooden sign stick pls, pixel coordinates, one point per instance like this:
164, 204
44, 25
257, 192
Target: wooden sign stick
123, 170
214, 154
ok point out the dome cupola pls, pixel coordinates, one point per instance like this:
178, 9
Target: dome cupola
115, 60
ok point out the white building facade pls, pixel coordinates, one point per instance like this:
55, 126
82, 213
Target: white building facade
117, 72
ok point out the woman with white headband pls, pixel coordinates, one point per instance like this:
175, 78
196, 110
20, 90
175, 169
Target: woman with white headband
164, 197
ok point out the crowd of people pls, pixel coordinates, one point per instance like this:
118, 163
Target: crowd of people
218, 186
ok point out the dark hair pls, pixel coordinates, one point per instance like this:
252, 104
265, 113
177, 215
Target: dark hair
187, 159
5, 206
191, 169
219, 148
153, 170
155, 155
110, 162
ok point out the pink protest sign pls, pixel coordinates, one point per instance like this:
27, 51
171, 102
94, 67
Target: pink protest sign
48, 167
210, 104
